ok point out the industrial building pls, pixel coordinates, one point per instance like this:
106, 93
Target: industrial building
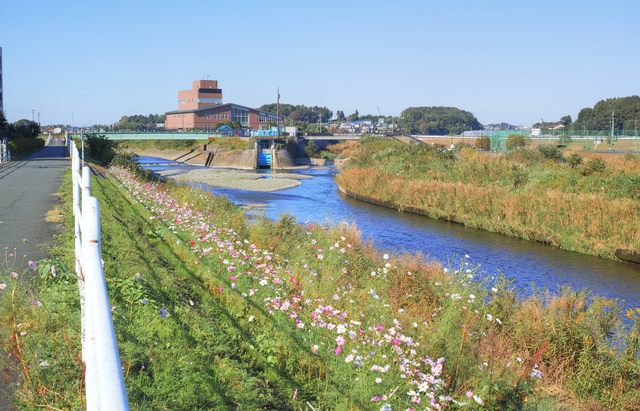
202, 108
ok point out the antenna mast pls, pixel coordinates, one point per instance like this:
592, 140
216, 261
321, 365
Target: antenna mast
278, 112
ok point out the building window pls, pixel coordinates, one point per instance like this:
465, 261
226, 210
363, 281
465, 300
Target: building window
263, 117
241, 115
209, 100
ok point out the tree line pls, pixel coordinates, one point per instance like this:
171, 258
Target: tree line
626, 109
140, 122
20, 129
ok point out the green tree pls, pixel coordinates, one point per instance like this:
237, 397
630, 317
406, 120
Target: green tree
515, 141
22, 129
340, 115
101, 149
484, 142
3, 120
565, 120
627, 109
354, 117
312, 149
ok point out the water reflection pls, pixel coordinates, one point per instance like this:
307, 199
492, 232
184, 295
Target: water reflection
318, 200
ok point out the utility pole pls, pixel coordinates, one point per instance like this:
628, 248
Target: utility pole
33, 120
613, 116
278, 112
636, 132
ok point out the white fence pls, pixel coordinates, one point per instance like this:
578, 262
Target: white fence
104, 382
5, 154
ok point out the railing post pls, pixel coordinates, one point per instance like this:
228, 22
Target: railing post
105, 384
86, 183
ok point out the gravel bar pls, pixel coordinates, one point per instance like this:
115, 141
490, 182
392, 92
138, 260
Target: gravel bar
239, 180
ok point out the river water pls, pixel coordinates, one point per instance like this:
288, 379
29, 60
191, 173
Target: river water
319, 200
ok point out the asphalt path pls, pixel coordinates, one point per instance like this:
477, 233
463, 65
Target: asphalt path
28, 190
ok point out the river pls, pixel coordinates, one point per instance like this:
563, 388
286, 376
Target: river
319, 200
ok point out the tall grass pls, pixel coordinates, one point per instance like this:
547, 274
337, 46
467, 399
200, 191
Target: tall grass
592, 208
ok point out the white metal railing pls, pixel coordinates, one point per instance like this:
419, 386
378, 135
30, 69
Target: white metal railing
5, 154
104, 382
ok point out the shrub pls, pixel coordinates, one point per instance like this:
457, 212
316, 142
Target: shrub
312, 149
551, 153
525, 155
596, 165
101, 149
574, 160
461, 146
21, 146
327, 155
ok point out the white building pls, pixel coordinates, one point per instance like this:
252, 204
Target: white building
1, 96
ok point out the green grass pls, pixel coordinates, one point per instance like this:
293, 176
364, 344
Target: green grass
248, 325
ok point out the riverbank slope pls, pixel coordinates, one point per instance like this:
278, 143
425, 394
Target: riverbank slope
214, 312
590, 205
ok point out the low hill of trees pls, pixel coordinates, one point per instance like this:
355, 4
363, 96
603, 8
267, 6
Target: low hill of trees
437, 120
627, 111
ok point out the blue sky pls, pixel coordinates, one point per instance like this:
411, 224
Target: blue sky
509, 61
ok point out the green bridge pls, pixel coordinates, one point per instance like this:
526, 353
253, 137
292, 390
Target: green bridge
155, 136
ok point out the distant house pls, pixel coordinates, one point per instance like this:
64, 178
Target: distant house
356, 126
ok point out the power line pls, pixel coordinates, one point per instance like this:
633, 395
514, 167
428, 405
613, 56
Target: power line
18, 108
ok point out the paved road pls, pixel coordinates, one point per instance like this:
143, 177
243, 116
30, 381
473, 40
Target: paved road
27, 190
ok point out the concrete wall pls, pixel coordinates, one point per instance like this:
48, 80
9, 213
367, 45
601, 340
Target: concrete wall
282, 159
240, 159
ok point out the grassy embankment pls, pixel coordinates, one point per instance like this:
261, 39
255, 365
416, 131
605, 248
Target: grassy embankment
214, 313
228, 143
586, 203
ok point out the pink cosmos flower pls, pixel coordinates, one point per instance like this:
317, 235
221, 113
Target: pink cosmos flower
32, 265
14, 274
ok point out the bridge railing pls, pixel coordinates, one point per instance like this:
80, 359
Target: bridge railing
104, 382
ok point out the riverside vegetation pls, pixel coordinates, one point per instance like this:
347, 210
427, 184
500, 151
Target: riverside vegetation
587, 203
214, 312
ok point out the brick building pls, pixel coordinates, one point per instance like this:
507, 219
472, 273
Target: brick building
202, 108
